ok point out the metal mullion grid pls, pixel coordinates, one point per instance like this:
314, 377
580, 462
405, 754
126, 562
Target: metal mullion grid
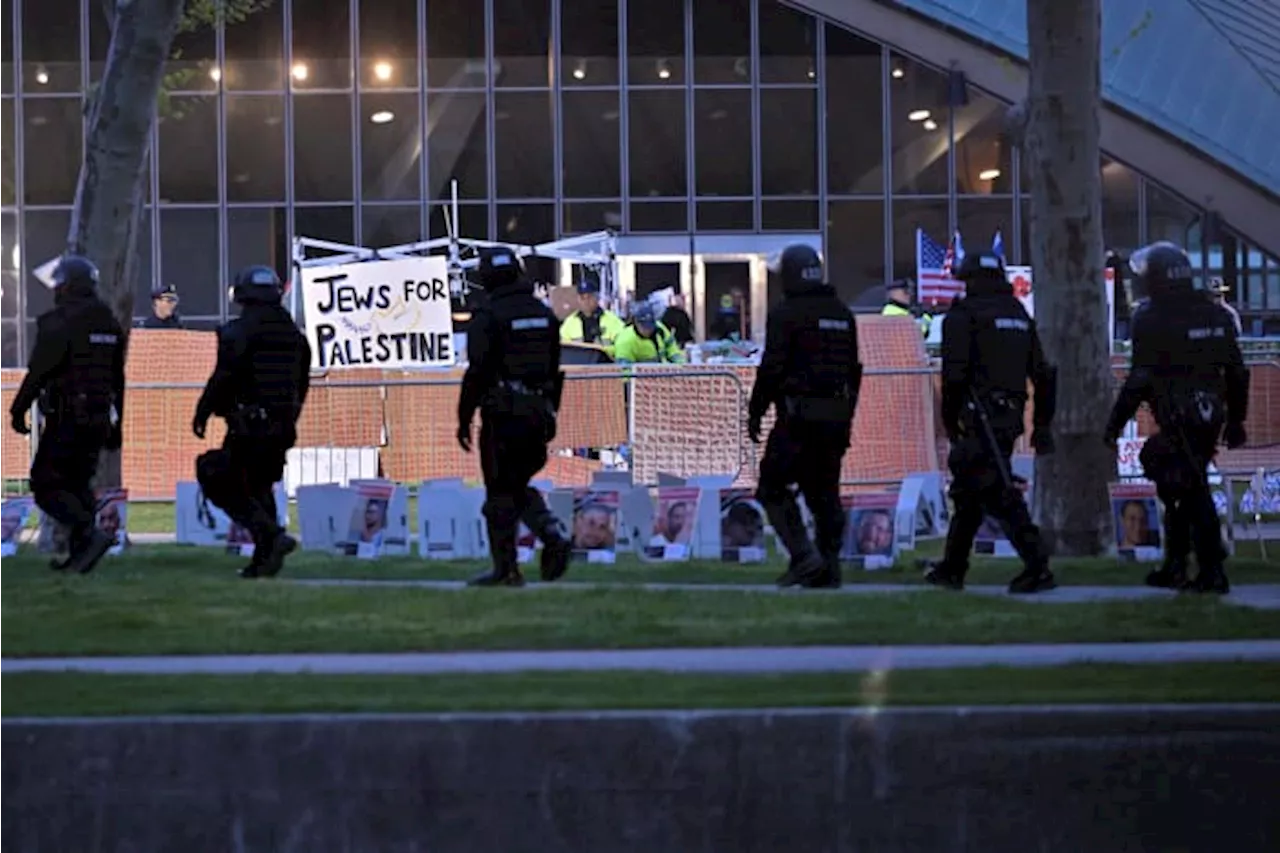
224, 228
624, 112
19, 184
490, 126
886, 155
820, 69
424, 176
817, 92
157, 271
690, 122
1015, 163
557, 119
357, 123
291, 223
753, 9
953, 216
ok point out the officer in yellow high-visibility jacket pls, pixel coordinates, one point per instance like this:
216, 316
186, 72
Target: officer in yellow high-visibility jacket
591, 324
646, 341
898, 304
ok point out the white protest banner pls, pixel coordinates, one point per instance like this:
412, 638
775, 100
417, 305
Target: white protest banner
389, 314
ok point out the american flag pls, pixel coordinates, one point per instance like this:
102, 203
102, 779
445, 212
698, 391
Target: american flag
934, 263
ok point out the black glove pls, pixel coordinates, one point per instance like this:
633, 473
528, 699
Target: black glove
115, 438
1234, 435
198, 425
19, 421
754, 427
1042, 441
464, 437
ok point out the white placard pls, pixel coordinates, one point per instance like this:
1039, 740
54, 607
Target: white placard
385, 314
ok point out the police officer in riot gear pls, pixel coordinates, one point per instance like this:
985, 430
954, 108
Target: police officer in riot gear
1187, 367
513, 377
76, 372
258, 386
990, 348
811, 375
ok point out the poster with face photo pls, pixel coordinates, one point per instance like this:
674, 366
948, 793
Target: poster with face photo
377, 524
742, 524
113, 517
13, 517
673, 523
1135, 513
595, 525
869, 533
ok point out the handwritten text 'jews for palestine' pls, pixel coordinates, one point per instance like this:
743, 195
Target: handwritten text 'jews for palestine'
425, 347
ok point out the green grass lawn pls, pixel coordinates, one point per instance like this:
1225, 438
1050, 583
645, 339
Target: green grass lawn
152, 605
59, 694
209, 562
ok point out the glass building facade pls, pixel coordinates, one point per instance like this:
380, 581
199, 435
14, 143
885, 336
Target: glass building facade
347, 121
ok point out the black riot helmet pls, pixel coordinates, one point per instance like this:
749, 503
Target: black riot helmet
983, 273
498, 267
257, 285
75, 275
1159, 271
800, 268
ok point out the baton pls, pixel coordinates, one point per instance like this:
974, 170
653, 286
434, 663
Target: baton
989, 436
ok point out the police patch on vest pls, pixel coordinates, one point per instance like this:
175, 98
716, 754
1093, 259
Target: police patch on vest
1013, 323
103, 338
833, 325
1209, 332
530, 323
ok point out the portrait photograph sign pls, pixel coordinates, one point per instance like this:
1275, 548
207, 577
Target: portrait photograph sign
869, 533
385, 314
595, 525
1135, 514
14, 513
673, 523
742, 523
377, 524
113, 517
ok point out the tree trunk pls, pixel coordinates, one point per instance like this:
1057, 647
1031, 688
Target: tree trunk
108, 203
1063, 160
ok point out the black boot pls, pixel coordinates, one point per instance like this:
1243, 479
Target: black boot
277, 548
805, 566
557, 546
88, 551
1212, 580
1172, 574
940, 573
506, 560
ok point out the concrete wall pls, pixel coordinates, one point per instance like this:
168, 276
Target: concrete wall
1093, 780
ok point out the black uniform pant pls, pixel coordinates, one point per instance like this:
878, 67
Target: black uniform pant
807, 456
66, 460
1182, 484
512, 451
978, 489
238, 479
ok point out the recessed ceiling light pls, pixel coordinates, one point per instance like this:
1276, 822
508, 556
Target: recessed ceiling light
930, 124
918, 115
897, 73
988, 174
382, 117
382, 70
300, 71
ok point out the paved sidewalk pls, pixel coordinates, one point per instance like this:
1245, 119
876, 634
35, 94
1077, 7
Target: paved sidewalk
716, 660
1263, 596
